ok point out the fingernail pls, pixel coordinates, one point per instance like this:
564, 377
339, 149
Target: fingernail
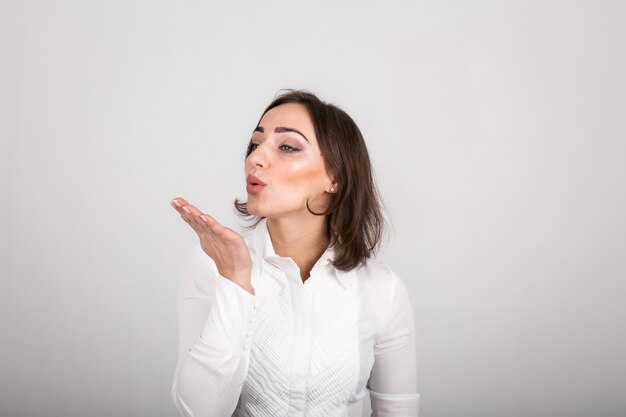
186, 209
175, 203
204, 218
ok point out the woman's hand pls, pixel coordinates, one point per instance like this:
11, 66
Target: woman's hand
225, 246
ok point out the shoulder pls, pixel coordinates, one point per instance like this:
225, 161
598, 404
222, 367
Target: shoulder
383, 294
380, 286
390, 299
376, 276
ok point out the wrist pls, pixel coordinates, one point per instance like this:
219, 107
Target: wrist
241, 278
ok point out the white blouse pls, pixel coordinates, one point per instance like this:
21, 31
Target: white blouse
294, 349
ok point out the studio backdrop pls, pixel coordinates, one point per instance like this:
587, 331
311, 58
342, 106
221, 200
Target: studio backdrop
496, 130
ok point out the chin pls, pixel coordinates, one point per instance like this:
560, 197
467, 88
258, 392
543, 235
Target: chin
255, 210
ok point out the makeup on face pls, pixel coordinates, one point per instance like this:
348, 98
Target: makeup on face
284, 168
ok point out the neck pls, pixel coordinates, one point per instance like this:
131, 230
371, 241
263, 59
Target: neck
304, 241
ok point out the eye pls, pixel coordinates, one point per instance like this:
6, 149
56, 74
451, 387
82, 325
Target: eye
251, 147
288, 149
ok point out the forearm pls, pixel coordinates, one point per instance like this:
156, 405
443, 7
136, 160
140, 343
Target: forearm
212, 369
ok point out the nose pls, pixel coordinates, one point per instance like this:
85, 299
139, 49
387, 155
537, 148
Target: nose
258, 157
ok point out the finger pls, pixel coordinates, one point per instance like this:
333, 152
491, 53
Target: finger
194, 214
222, 232
212, 224
212, 228
185, 213
188, 213
188, 219
178, 202
216, 230
202, 222
185, 209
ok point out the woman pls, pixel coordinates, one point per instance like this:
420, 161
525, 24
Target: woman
293, 318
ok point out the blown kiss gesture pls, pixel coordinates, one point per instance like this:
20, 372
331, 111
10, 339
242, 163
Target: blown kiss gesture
225, 246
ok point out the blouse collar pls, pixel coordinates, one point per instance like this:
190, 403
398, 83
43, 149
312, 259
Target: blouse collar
263, 250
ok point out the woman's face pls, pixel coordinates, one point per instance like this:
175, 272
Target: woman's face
285, 167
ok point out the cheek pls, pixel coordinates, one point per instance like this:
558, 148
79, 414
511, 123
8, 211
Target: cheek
303, 173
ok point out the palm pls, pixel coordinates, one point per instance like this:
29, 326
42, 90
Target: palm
225, 246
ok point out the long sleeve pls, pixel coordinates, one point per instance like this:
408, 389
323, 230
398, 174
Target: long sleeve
215, 319
393, 380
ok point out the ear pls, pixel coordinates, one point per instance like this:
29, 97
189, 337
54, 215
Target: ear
333, 187
331, 183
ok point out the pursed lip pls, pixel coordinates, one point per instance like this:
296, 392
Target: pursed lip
253, 180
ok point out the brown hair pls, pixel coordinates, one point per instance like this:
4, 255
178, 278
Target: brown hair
354, 216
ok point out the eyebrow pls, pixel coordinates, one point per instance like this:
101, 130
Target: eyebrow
281, 129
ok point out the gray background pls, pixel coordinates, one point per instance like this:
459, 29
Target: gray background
497, 135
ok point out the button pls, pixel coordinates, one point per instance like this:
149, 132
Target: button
246, 347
